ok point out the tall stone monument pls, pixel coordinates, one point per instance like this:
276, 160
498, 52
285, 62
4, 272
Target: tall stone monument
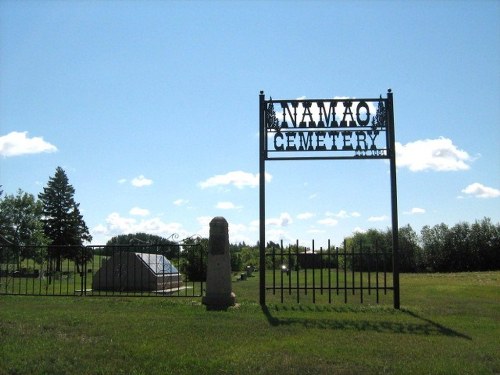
218, 294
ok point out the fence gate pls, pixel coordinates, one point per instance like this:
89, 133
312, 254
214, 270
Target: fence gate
142, 270
328, 129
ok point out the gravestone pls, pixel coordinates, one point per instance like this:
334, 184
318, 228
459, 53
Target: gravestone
218, 294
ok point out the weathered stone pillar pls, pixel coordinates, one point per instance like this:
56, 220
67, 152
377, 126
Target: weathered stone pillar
219, 294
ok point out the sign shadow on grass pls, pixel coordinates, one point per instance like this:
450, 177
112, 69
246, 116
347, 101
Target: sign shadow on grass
441, 329
423, 326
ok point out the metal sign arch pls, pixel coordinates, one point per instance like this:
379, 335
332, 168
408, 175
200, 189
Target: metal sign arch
327, 129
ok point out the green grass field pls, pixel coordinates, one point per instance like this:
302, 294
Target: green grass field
448, 324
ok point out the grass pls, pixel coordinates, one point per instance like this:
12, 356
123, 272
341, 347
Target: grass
448, 324
346, 286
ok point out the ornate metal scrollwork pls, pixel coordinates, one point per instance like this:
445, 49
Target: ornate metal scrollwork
380, 118
272, 121
192, 238
173, 236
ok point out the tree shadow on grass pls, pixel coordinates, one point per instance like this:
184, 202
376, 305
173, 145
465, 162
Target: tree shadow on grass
422, 326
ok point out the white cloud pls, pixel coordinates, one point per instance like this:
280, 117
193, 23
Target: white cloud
117, 224
282, 221
432, 154
359, 230
141, 181
378, 218
99, 229
239, 179
204, 221
415, 211
315, 231
277, 235
137, 211
18, 143
328, 222
480, 191
122, 180
305, 215
239, 233
120, 225
342, 214
255, 224
226, 206
181, 202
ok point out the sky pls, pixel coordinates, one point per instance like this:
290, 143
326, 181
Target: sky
152, 109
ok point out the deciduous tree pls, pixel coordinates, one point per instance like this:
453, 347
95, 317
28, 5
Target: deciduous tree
136, 242
21, 226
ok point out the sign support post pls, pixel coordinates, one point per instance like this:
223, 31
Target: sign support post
394, 200
262, 199
327, 129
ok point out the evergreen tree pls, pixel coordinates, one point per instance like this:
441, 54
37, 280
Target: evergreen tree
63, 223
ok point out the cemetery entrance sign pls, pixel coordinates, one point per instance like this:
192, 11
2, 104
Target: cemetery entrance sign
325, 129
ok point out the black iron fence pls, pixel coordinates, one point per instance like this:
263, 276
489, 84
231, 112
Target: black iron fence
354, 273
173, 270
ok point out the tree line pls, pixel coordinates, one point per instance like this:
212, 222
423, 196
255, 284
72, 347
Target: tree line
52, 228
440, 248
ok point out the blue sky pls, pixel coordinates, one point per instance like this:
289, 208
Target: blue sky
152, 110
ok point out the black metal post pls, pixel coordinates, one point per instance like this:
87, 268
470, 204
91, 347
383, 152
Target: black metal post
394, 199
262, 199
297, 269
